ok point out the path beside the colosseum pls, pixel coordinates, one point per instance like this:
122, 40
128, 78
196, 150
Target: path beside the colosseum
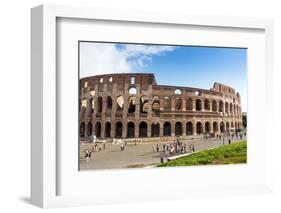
136, 156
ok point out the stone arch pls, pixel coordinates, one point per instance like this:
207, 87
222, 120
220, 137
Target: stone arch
107, 129
178, 103
189, 104
178, 129
155, 129
221, 106
189, 128
132, 91
167, 129
199, 128
120, 103
143, 129
222, 126
82, 129
167, 103
214, 106
109, 103
198, 105
178, 92
156, 106
132, 104
91, 105
144, 104
231, 108
131, 130
89, 128
215, 127
207, 127
207, 105
227, 126
226, 107
118, 129
84, 104
232, 125
99, 104
98, 129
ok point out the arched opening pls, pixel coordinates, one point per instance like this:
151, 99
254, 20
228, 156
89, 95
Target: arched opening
98, 129
167, 103
109, 103
132, 91
132, 105
89, 128
118, 130
215, 127
178, 129
235, 125
99, 107
156, 108
198, 105
143, 129
189, 128
84, 105
221, 106
214, 106
91, 105
226, 107
207, 127
82, 129
178, 92
167, 129
207, 105
131, 130
120, 103
107, 129
231, 108
227, 126
232, 125
222, 127
199, 128
144, 104
178, 103
189, 104
155, 130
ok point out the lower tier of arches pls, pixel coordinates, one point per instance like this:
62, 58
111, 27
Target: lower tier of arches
133, 129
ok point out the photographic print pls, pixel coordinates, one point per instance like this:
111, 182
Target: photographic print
151, 105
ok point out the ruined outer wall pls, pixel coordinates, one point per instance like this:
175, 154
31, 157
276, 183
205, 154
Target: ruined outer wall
134, 105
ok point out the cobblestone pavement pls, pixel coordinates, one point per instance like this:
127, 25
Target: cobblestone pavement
136, 156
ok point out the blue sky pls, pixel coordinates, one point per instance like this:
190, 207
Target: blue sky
190, 66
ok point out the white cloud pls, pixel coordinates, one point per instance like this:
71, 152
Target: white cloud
100, 58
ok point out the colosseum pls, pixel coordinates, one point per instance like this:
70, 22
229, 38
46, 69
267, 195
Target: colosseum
133, 105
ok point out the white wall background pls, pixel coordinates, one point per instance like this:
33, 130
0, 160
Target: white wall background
15, 104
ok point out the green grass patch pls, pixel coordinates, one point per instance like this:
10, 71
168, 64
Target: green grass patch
228, 154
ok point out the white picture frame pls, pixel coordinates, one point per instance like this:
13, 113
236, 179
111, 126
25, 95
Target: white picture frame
44, 135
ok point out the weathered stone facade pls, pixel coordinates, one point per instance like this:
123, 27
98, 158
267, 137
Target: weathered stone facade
133, 105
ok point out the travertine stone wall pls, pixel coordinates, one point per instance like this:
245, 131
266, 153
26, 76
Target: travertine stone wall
133, 105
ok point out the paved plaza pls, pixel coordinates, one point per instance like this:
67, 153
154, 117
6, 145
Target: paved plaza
137, 155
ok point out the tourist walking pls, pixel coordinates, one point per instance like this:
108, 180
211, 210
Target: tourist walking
87, 155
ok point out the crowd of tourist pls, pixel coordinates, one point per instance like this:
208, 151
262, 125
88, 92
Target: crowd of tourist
174, 148
171, 149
